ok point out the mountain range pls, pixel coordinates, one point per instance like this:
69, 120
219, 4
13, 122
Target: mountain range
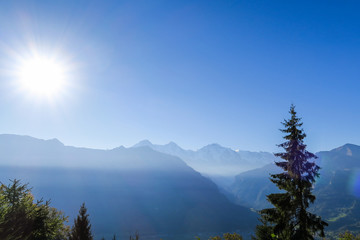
218, 163
125, 189
155, 190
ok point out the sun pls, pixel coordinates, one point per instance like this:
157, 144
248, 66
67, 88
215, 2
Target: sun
41, 76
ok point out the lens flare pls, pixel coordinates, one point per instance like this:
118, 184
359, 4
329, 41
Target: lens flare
354, 183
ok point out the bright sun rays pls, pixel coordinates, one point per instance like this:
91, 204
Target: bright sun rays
42, 76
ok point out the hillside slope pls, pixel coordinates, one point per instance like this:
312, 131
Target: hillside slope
337, 190
125, 190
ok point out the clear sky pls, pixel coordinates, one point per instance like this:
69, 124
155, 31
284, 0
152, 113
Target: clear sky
192, 72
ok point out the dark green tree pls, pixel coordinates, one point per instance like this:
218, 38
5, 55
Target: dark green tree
264, 231
348, 236
48, 223
82, 227
289, 219
22, 218
228, 236
16, 208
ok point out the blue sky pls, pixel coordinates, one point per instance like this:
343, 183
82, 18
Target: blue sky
192, 72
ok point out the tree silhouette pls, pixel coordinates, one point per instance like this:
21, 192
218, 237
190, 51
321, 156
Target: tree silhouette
82, 227
227, 236
135, 237
22, 218
289, 219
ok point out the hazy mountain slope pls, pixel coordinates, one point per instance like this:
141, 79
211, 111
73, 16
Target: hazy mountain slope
250, 188
126, 190
213, 159
337, 190
27, 151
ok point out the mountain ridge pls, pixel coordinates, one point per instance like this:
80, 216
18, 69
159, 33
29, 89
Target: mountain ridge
214, 159
125, 189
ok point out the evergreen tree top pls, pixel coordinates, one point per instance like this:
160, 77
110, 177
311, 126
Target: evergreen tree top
293, 127
82, 227
296, 158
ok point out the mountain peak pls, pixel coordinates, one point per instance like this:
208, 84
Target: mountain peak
172, 144
55, 141
348, 149
143, 143
213, 146
350, 145
171, 148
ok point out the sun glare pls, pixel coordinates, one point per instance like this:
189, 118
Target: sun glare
42, 76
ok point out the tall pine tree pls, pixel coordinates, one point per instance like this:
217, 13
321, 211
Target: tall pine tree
289, 219
82, 227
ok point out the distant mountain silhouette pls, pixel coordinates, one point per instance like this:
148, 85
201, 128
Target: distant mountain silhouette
125, 189
337, 190
214, 159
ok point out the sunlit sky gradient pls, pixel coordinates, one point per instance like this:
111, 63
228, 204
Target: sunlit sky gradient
192, 72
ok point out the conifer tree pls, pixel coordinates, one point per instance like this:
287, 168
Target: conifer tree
289, 219
21, 218
82, 227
